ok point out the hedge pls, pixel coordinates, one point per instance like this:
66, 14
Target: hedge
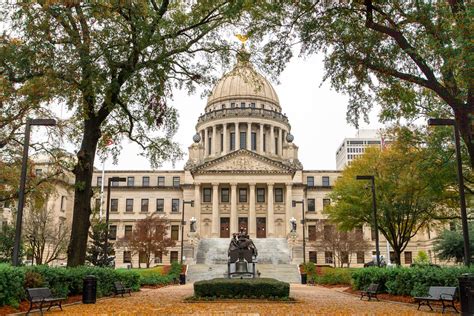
242, 288
408, 281
153, 277
334, 276
61, 281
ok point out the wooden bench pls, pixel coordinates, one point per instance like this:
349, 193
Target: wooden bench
43, 296
443, 294
371, 291
120, 289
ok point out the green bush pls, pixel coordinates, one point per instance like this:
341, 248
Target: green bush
334, 276
242, 288
151, 277
408, 281
61, 281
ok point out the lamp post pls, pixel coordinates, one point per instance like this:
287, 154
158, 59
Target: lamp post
303, 224
21, 192
109, 182
374, 206
182, 227
462, 198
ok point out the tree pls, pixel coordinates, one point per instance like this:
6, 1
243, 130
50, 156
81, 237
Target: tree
149, 236
7, 239
450, 245
114, 65
412, 189
95, 252
46, 236
342, 244
414, 58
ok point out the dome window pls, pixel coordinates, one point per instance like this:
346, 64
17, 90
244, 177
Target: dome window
242, 105
263, 106
252, 105
232, 105
223, 106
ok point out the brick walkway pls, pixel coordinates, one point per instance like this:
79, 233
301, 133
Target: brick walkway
310, 300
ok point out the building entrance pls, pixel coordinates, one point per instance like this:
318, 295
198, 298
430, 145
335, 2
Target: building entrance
225, 227
243, 224
261, 227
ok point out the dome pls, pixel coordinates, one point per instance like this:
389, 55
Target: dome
243, 83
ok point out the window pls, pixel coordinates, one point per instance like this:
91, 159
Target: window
313, 257
311, 205
174, 232
372, 234
278, 195
161, 181
328, 257
114, 183
344, 257
276, 145
114, 205
408, 259
252, 105
146, 181
326, 203
261, 195
232, 141
264, 142
158, 257
176, 181
127, 257
39, 172
310, 181
223, 106
63, 203
311, 232
254, 141
142, 257
325, 181
130, 181
242, 195
242, 105
328, 230
206, 195
160, 205
173, 256
145, 203
96, 206
209, 147
243, 140
222, 142
359, 232
128, 231
113, 232
99, 181
175, 205
224, 195
392, 256
129, 205
232, 105
360, 257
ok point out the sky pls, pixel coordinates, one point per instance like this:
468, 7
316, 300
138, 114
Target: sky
317, 116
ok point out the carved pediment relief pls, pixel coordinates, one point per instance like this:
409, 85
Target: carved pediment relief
243, 161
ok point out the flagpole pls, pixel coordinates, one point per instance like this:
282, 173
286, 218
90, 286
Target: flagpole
102, 188
382, 147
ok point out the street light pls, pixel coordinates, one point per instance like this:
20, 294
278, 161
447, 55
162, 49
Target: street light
302, 223
182, 226
21, 192
106, 244
374, 206
462, 198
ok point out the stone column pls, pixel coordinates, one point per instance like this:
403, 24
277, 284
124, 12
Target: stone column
234, 225
280, 142
270, 215
215, 210
272, 140
214, 140
224, 139
260, 148
206, 142
197, 206
249, 136
289, 208
252, 221
237, 136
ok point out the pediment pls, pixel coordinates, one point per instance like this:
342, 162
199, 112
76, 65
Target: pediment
243, 161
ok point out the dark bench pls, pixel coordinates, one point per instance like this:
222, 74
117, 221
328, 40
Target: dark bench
43, 296
443, 294
120, 289
370, 292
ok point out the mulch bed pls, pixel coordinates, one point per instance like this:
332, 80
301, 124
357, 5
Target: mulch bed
402, 299
25, 305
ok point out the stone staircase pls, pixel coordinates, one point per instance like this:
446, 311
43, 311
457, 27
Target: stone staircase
274, 260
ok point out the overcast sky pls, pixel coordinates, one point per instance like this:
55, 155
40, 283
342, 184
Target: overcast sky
317, 116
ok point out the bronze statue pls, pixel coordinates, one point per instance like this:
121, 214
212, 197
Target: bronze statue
242, 253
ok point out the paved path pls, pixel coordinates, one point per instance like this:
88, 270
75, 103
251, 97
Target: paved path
311, 300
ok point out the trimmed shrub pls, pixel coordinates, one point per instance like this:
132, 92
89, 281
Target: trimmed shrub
408, 281
11, 285
334, 276
155, 277
242, 288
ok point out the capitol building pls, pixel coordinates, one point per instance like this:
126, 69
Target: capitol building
243, 173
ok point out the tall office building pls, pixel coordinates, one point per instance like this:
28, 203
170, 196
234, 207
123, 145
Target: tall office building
354, 147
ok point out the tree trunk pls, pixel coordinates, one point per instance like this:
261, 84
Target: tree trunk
465, 129
83, 194
397, 254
